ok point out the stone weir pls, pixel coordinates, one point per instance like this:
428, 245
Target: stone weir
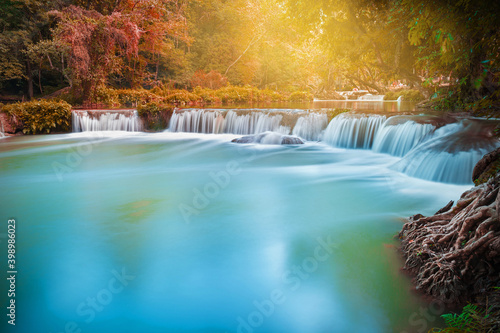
306, 124
106, 120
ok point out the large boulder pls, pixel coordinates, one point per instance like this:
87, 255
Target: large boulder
9, 124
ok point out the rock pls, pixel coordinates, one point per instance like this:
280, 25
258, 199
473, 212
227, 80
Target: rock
270, 138
9, 125
291, 140
245, 139
487, 167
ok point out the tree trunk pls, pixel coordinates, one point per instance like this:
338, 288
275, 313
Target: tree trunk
86, 91
30, 80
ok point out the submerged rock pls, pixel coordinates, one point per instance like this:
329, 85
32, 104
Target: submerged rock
291, 140
270, 138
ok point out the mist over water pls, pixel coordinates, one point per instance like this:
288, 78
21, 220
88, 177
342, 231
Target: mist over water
208, 232
185, 231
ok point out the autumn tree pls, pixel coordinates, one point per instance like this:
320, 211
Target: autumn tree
97, 44
212, 80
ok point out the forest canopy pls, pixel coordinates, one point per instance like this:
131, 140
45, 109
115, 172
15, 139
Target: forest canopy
447, 49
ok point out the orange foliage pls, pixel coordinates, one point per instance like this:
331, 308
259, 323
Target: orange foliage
212, 80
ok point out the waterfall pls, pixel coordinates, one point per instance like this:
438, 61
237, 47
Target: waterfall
105, 120
446, 154
213, 121
198, 121
399, 134
2, 134
370, 97
311, 126
449, 154
350, 130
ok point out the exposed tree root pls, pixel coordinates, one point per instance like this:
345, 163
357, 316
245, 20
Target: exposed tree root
454, 255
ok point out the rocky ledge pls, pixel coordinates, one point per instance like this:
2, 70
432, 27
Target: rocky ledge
10, 125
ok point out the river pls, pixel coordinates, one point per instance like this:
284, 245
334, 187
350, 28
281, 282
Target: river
188, 232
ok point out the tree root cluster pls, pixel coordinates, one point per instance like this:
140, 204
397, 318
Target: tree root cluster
454, 255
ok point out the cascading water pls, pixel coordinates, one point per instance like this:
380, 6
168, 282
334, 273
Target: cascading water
350, 130
213, 121
449, 154
441, 155
370, 97
311, 126
104, 120
197, 121
2, 134
215, 213
253, 123
399, 134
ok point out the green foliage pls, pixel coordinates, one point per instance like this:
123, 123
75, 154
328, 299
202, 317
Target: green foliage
208, 96
233, 94
492, 170
163, 95
155, 116
409, 95
301, 96
391, 96
473, 319
181, 97
41, 116
335, 112
319, 46
136, 97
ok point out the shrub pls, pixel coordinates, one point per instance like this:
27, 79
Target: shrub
332, 113
155, 116
182, 97
412, 95
391, 96
233, 94
300, 96
268, 95
409, 95
207, 96
43, 116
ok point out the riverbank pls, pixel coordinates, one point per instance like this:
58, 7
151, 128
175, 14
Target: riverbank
454, 255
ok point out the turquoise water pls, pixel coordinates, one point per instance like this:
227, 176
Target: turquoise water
176, 232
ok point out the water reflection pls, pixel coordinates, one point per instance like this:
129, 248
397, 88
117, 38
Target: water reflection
358, 105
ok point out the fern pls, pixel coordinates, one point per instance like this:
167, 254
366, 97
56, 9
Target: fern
473, 319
